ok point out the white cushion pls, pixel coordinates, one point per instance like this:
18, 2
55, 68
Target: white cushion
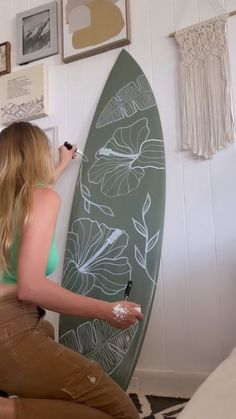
216, 397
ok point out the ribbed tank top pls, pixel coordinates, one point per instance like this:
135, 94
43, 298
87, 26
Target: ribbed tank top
10, 277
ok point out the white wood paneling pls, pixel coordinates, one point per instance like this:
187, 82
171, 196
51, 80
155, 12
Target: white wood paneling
5, 29
209, 8
192, 323
185, 12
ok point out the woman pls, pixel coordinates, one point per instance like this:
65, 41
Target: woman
50, 380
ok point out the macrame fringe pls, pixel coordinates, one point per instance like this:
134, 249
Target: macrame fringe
207, 119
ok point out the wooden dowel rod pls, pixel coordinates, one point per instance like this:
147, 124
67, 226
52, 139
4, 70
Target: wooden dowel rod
172, 34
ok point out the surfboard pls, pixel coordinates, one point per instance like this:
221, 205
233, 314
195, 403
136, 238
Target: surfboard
117, 216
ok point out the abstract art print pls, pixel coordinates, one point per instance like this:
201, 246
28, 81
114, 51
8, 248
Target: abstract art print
5, 58
93, 26
36, 31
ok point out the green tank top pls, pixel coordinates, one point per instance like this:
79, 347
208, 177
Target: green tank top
10, 277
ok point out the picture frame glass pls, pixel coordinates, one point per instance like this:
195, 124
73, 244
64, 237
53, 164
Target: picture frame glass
33, 25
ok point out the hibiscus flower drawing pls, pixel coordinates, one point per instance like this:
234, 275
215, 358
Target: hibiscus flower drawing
93, 258
121, 163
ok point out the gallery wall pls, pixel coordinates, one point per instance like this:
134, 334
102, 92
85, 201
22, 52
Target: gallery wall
192, 326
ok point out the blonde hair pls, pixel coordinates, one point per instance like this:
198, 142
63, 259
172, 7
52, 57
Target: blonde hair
25, 161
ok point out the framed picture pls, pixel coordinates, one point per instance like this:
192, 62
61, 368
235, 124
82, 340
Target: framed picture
52, 134
5, 58
91, 27
36, 33
24, 94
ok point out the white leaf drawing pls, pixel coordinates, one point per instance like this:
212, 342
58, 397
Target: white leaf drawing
139, 257
106, 210
87, 206
101, 342
149, 243
93, 258
139, 227
85, 190
146, 204
152, 242
120, 164
127, 101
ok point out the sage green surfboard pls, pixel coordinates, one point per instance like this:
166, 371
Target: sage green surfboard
116, 223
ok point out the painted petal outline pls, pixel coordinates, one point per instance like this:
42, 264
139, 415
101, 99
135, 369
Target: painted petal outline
98, 261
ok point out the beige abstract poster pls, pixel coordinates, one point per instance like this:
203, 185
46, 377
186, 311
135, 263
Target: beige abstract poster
93, 26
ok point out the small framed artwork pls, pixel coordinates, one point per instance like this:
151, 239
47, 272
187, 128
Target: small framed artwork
24, 94
52, 134
90, 27
36, 33
5, 58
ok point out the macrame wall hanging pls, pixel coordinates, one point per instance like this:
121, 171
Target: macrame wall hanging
207, 119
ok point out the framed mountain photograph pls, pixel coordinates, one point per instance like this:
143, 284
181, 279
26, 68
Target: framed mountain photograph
36, 33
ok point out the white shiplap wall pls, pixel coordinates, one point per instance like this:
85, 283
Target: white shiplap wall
192, 327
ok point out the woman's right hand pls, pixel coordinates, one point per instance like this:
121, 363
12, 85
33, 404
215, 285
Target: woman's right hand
65, 156
123, 314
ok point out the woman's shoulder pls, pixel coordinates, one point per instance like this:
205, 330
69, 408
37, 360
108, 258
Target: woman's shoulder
46, 197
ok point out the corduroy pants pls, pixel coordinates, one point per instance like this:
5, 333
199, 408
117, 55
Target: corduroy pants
51, 381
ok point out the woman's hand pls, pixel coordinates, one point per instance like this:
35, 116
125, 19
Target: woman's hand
123, 314
65, 156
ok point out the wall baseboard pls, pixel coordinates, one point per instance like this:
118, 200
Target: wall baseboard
166, 383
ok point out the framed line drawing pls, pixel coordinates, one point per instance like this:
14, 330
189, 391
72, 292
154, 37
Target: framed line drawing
5, 58
91, 27
36, 33
24, 94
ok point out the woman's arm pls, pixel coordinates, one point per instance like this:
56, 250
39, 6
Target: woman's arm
33, 286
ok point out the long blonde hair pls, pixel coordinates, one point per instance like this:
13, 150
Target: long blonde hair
25, 161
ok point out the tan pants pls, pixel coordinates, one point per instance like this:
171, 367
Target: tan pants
51, 381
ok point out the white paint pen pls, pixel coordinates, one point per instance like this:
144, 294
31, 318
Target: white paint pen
127, 292
128, 289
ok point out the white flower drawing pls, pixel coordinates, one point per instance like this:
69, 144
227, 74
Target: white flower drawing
120, 164
93, 258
